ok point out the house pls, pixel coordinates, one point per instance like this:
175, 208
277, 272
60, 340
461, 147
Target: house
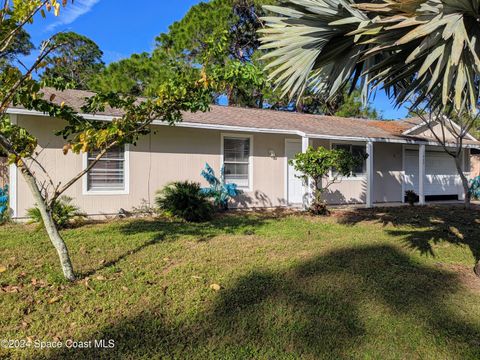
254, 146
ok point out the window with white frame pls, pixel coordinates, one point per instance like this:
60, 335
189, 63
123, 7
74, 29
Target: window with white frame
108, 174
355, 150
236, 160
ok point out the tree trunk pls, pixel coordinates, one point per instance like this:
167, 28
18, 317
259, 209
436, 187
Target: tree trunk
464, 179
476, 269
50, 226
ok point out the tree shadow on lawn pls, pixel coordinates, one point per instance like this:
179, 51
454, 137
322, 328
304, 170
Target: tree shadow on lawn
432, 225
327, 307
161, 230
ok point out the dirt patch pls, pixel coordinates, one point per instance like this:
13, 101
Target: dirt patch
465, 274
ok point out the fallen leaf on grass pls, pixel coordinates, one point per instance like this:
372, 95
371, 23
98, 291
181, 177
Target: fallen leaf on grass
54, 299
215, 287
85, 282
3, 268
11, 288
38, 283
101, 278
124, 288
454, 231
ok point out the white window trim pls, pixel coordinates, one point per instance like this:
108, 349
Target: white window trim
250, 157
359, 177
125, 191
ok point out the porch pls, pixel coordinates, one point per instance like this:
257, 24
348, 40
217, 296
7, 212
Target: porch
391, 168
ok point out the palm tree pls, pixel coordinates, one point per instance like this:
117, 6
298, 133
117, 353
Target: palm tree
424, 52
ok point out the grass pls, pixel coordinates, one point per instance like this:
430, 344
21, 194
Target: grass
376, 284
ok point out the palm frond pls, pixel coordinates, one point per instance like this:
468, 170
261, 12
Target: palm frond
423, 49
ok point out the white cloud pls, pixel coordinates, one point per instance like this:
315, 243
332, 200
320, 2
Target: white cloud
72, 12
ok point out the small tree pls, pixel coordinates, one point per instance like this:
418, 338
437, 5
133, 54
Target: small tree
81, 135
316, 164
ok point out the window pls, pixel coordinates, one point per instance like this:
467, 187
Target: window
108, 174
355, 150
236, 160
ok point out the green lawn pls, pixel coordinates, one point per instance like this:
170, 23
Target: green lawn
383, 284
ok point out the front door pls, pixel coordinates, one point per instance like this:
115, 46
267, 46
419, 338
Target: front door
294, 183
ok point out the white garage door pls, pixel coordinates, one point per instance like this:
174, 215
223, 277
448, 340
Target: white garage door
440, 173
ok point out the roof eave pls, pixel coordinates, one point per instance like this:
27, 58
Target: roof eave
186, 124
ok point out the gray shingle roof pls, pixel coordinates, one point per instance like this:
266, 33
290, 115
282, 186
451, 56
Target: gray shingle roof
269, 119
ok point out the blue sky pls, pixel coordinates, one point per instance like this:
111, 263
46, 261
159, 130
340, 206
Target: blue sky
122, 28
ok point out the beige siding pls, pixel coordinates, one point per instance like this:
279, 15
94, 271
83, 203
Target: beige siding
168, 154
424, 131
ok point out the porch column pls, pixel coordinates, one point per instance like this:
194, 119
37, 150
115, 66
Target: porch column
307, 187
370, 175
421, 174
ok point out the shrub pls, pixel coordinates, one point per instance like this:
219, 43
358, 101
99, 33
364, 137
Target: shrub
411, 196
317, 163
64, 213
185, 200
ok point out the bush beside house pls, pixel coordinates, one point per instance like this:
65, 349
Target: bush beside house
64, 213
185, 199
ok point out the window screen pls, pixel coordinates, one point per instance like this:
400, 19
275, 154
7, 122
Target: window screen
236, 158
109, 172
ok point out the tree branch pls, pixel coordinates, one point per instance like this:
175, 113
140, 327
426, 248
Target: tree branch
8, 97
5, 42
73, 180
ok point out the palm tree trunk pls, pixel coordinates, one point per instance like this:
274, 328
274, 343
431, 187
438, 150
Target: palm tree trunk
50, 226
